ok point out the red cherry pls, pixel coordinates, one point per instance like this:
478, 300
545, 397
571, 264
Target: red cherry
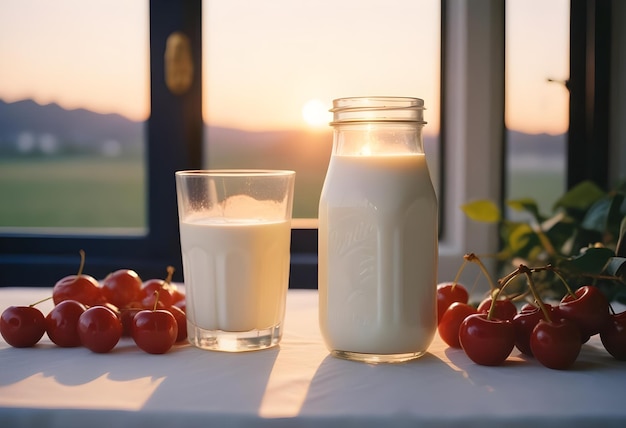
80, 287
524, 323
181, 322
182, 304
154, 331
556, 344
62, 323
177, 295
22, 326
451, 321
487, 342
505, 309
589, 309
165, 296
99, 329
121, 287
126, 316
166, 289
613, 336
447, 294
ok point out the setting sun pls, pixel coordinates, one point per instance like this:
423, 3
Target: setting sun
315, 113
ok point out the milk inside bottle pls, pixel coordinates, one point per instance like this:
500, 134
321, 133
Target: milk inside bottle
378, 233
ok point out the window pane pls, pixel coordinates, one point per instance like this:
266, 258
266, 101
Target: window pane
272, 69
74, 90
537, 110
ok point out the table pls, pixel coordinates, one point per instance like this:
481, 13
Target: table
297, 385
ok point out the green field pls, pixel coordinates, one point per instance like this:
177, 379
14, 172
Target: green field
73, 192
545, 187
89, 192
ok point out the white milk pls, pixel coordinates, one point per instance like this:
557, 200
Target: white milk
236, 273
378, 254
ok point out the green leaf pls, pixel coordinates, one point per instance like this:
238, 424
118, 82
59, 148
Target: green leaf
523, 241
526, 204
601, 214
620, 249
592, 261
519, 237
613, 222
560, 233
580, 197
482, 210
615, 266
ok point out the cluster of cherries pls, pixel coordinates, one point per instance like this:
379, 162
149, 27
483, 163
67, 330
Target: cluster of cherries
96, 316
551, 333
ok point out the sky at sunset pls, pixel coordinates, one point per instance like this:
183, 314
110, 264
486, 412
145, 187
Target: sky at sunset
264, 61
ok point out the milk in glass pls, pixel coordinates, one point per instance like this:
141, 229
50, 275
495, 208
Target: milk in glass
236, 273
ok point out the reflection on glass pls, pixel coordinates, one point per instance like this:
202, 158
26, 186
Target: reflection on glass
272, 69
73, 102
537, 115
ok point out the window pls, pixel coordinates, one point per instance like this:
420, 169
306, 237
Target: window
36, 258
471, 132
537, 97
272, 69
73, 106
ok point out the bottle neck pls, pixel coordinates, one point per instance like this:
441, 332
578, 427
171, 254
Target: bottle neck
377, 138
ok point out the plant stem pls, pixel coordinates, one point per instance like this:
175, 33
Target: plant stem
560, 276
156, 299
531, 285
40, 301
170, 273
82, 262
458, 272
474, 258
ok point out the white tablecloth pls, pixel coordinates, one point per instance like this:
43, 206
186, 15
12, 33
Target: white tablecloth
297, 384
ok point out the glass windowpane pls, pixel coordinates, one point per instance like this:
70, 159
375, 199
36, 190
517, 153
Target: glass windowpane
537, 100
272, 69
74, 98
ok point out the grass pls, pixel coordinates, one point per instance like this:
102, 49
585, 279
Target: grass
89, 192
545, 187
72, 192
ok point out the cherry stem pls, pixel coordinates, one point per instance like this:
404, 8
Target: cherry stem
474, 258
156, 300
40, 301
492, 309
458, 273
560, 276
495, 294
82, 263
170, 274
531, 285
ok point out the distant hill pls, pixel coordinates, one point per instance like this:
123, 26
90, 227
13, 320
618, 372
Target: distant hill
25, 124
546, 144
70, 129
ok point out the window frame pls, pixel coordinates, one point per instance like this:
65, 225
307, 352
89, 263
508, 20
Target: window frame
172, 116
472, 95
472, 128
174, 138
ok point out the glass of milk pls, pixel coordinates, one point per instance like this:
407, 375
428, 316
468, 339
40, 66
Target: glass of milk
235, 235
378, 243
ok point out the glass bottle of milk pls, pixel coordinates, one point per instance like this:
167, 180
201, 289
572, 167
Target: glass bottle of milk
378, 233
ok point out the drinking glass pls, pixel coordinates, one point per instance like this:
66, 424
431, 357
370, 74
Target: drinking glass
235, 235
